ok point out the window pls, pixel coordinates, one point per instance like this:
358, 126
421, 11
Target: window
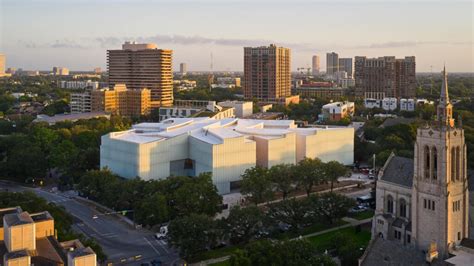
434, 173
427, 162
390, 204
408, 238
459, 235
380, 222
458, 170
429, 204
403, 208
453, 164
397, 234
456, 205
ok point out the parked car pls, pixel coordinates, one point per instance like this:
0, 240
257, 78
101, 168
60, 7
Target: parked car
357, 209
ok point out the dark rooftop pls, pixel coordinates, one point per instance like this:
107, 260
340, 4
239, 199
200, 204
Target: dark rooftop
399, 170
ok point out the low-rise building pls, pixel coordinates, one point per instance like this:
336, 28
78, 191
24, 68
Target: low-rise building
371, 103
242, 109
80, 102
389, 104
184, 84
226, 82
337, 110
407, 105
79, 84
51, 120
60, 71
29, 239
224, 147
122, 101
347, 83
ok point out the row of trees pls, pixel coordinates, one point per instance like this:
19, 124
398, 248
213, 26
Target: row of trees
37, 150
154, 201
259, 184
62, 220
196, 233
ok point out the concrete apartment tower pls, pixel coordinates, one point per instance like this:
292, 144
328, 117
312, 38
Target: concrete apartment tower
267, 72
385, 77
182, 69
141, 66
332, 63
345, 64
316, 65
440, 195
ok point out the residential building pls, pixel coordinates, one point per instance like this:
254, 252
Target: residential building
336, 111
79, 84
121, 100
316, 65
141, 66
347, 83
372, 103
60, 71
226, 82
332, 63
345, 64
320, 90
192, 108
242, 109
80, 102
30, 239
407, 105
2, 64
224, 147
182, 69
385, 77
422, 204
184, 84
267, 73
97, 70
389, 104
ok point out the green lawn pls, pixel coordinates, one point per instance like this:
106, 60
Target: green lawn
325, 241
363, 215
215, 253
309, 230
223, 263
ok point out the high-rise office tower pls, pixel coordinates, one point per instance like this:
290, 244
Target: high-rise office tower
2, 64
385, 77
182, 69
267, 73
141, 66
332, 63
345, 64
316, 65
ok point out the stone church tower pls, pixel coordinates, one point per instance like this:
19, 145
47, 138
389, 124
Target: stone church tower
440, 204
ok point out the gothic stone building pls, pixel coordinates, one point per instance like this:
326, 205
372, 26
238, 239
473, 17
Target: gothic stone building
423, 203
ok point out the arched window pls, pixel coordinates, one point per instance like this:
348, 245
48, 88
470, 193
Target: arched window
458, 164
403, 208
389, 204
434, 174
453, 164
427, 162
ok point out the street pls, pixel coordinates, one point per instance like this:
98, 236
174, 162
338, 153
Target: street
123, 244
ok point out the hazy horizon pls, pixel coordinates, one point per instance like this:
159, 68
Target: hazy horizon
40, 34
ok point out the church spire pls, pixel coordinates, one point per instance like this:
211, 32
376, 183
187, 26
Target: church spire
445, 109
444, 97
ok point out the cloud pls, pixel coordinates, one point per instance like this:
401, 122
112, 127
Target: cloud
404, 44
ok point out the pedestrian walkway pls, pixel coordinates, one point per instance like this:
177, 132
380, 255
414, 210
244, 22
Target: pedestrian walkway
351, 222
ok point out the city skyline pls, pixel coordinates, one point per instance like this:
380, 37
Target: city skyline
82, 32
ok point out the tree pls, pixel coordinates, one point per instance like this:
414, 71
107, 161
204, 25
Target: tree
330, 206
309, 173
333, 170
243, 224
283, 177
152, 210
192, 234
293, 212
197, 195
256, 184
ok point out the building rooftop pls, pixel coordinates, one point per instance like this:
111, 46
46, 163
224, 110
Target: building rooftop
69, 117
398, 170
213, 131
14, 219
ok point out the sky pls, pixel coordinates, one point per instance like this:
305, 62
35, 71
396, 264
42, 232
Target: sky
40, 34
